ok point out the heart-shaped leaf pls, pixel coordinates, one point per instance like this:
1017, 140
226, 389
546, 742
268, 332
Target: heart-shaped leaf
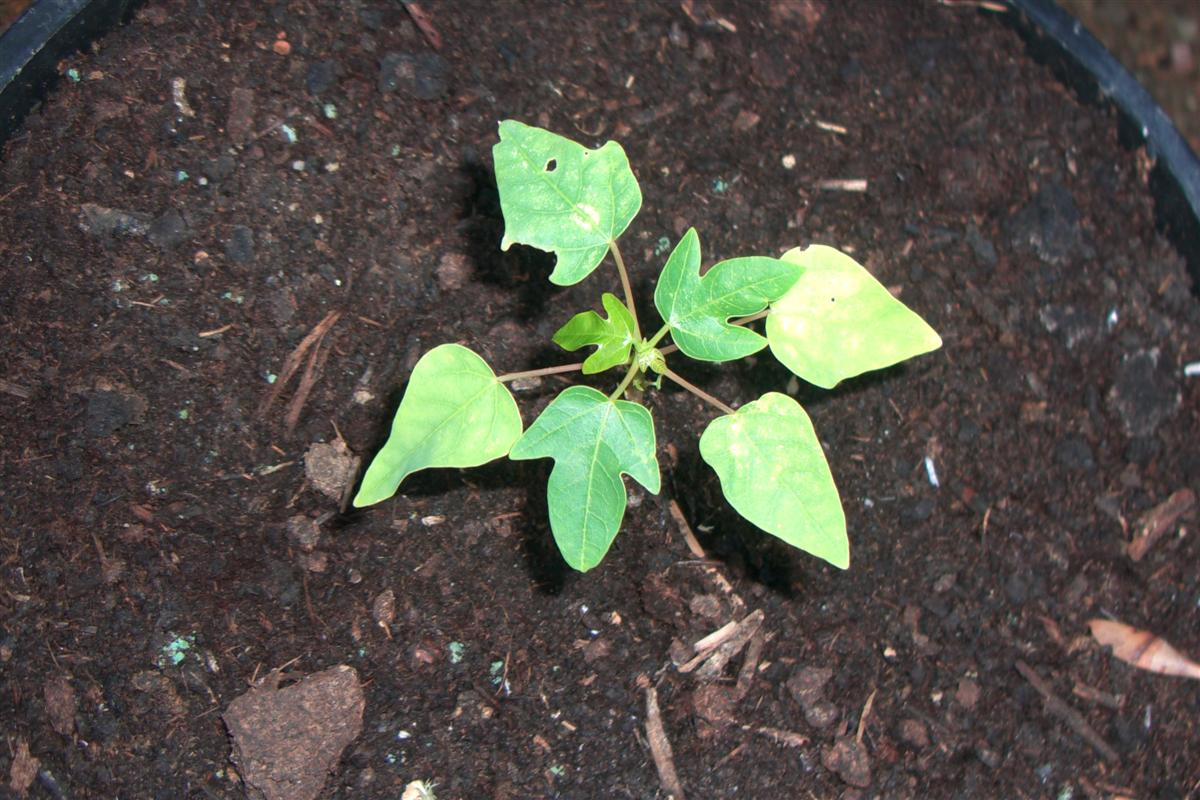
563, 198
454, 414
593, 440
838, 321
698, 308
613, 337
774, 473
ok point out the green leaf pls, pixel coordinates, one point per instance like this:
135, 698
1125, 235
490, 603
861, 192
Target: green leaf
563, 198
698, 308
454, 414
614, 336
773, 471
838, 321
593, 440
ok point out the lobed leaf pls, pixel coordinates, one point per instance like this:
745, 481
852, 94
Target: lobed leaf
563, 198
613, 337
593, 440
453, 414
774, 473
698, 308
838, 321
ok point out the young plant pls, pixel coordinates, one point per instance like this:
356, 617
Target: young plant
827, 319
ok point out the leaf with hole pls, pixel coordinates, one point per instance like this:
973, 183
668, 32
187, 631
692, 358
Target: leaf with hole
698, 308
774, 473
613, 337
838, 321
454, 414
563, 198
593, 440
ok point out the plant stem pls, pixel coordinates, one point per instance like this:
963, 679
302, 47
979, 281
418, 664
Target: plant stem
616, 251
628, 379
537, 373
751, 318
656, 338
696, 390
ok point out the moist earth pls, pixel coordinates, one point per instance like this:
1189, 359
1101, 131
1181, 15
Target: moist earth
231, 232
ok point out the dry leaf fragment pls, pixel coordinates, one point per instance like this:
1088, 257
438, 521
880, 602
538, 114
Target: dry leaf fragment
1143, 649
23, 770
61, 704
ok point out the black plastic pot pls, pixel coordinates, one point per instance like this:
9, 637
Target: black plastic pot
51, 29
32, 47
1081, 62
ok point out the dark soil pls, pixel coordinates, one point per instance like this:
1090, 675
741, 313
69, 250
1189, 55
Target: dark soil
146, 560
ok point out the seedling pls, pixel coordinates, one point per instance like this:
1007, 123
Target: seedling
826, 319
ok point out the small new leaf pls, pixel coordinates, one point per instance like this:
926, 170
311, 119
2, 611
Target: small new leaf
593, 440
613, 337
838, 321
774, 473
698, 308
454, 414
559, 196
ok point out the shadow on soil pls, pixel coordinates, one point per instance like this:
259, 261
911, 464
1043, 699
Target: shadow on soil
520, 269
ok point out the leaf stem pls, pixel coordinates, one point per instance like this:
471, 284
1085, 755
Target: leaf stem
616, 252
696, 390
751, 318
628, 379
538, 373
656, 338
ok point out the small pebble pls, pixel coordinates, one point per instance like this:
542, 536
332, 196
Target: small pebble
821, 714
914, 733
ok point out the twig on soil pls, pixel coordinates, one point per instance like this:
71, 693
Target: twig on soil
684, 528
716, 638
660, 747
725, 759
215, 331
1155, 522
986, 5
750, 664
780, 736
11, 192
1114, 701
1055, 705
830, 126
316, 361
175, 365
421, 19
862, 718
731, 642
15, 390
295, 358
843, 184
